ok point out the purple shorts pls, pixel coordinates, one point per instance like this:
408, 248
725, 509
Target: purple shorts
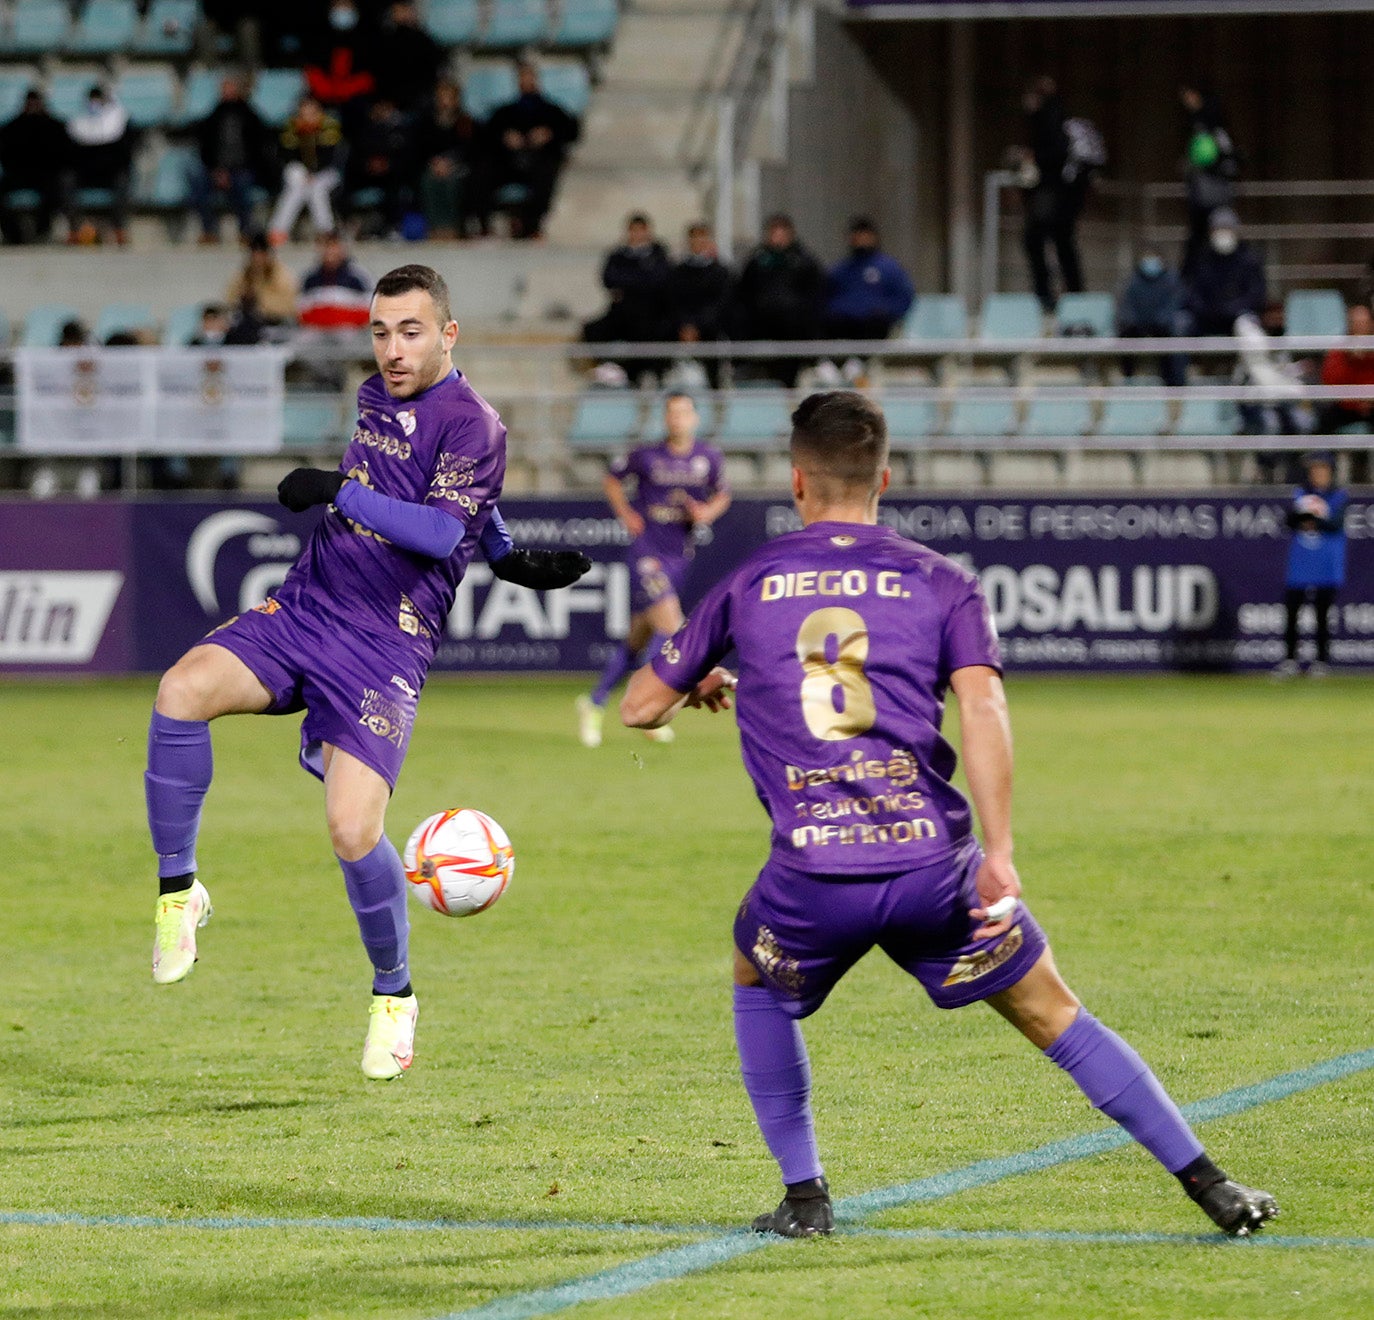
654, 576
359, 693
802, 933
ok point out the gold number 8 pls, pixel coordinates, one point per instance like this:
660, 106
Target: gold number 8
821, 677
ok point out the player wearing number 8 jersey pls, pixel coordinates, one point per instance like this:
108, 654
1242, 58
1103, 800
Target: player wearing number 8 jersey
848, 639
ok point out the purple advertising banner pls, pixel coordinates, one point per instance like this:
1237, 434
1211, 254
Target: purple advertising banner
65, 589
1075, 583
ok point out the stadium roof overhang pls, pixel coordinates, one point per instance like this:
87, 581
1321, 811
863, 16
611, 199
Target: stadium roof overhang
907, 10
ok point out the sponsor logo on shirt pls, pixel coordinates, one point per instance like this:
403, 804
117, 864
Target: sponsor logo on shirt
407, 420
383, 444
972, 966
398, 681
900, 769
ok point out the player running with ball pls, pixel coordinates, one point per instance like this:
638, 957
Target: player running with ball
349, 637
848, 639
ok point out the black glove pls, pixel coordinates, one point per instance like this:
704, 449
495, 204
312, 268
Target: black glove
543, 570
305, 487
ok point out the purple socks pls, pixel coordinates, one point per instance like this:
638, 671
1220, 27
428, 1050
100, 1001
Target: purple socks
376, 887
1119, 1083
622, 661
178, 775
777, 1077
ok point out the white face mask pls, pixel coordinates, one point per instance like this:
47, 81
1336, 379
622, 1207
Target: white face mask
1225, 241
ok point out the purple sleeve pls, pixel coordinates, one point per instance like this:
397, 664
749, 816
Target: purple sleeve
496, 541
468, 470
627, 465
700, 644
415, 527
970, 636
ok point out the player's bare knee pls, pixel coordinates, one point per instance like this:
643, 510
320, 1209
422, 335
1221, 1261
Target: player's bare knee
181, 694
353, 838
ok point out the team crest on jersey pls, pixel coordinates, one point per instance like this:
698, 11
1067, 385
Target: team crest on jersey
701, 467
972, 966
407, 420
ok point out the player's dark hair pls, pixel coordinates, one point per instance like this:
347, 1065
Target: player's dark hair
840, 435
405, 278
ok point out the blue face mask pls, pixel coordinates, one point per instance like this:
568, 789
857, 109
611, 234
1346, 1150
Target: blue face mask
341, 20
1151, 267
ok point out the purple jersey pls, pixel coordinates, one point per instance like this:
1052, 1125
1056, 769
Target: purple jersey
664, 482
847, 636
446, 448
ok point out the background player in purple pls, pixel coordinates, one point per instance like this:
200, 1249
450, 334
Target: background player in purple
349, 637
678, 486
848, 638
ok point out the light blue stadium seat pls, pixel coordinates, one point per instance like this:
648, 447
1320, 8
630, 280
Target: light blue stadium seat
1095, 310
514, 23
40, 27
653, 431
586, 23
1049, 416
936, 316
68, 89
103, 27
604, 419
276, 93
168, 28
183, 325
14, 84
755, 418
43, 325
981, 417
148, 94
488, 84
1314, 312
567, 84
168, 185
115, 317
200, 95
1206, 417
1124, 417
908, 419
309, 419
452, 22
1011, 316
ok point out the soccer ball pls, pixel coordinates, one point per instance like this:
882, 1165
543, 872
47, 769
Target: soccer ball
458, 862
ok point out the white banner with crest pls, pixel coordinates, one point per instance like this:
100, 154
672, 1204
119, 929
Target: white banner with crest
150, 400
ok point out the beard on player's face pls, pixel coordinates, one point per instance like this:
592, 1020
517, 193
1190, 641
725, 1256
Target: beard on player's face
415, 373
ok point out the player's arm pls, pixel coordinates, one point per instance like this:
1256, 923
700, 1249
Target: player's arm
685, 672
985, 735
649, 702
541, 570
705, 512
620, 504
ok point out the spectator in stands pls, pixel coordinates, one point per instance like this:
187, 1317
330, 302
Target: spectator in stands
1350, 366
699, 294
1210, 167
73, 335
405, 59
262, 294
337, 293
530, 137
100, 159
636, 275
1316, 560
1226, 281
451, 148
1151, 307
232, 143
780, 294
33, 154
1053, 194
867, 292
381, 157
1266, 363
310, 148
339, 61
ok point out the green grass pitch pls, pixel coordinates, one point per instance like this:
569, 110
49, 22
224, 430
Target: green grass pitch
1198, 849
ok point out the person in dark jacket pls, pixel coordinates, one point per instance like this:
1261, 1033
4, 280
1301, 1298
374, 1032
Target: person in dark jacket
1226, 281
780, 294
339, 61
1316, 560
637, 275
530, 137
101, 158
1053, 195
34, 149
451, 149
405, 59
232, 145
868, 292
380, 156
699, 291
1211, 165
1151, 307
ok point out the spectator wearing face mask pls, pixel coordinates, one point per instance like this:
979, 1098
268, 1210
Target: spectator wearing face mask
1210, 168
101, 157
339, 66
1226, 281
1151, 307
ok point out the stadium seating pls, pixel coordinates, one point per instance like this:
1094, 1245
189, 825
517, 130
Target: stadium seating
604, 420
1314, 312
103, 27
585, 23
1049, 416
754, 418
167, 185
183, 324
148, 94
310, 418
936, 316
487, 84
1124, 417
452, 22
513, 23
1206, 417
68, 89
168, 28
1095, 311
15, 82
909, 421
276, 93
1010, 316
200, 94
43, 325
981, 417
115, 318
39, 27
567, 83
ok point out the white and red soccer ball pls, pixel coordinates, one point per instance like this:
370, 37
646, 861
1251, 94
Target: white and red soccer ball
458, 862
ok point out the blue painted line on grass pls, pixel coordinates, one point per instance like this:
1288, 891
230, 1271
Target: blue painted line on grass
1265, 1239
666, 1266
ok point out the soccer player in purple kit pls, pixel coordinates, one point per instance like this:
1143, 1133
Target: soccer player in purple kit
349, 637
848, 638
679, 486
